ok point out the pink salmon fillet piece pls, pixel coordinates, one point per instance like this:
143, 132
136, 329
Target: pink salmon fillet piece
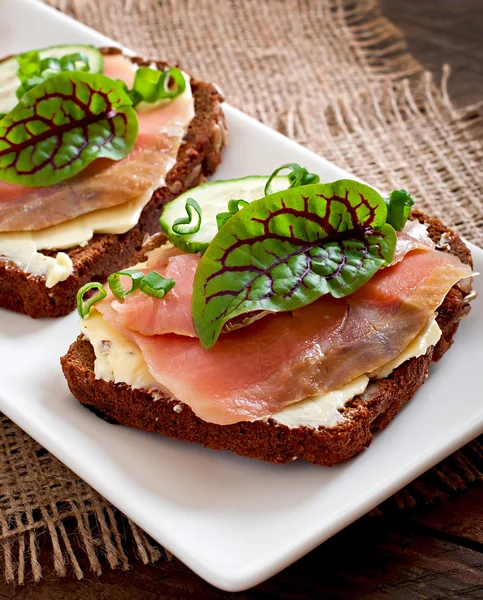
256, 371
144, 314
104, 183
149, 316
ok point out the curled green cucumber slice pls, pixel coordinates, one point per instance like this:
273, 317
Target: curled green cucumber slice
9, 82
213, 199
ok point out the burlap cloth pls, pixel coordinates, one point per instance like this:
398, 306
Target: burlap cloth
334, 76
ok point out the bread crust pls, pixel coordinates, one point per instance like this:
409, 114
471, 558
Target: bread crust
268, 440
198, 157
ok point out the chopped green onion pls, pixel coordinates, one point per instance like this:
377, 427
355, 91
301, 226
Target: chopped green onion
156, 285
191, 223
74, 62
233, 207
116, 286
151, 85
171, 84
222, 218
399, 206
136, 97
84, 307
28, 64
32, 71
307, 179
298, 176
146, 83
153, 284
49, 64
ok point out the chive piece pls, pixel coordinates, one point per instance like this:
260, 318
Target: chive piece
233, 207
151, 85
28, 64
116, 286
74, 62
135, 96
50, 64
156, 285
84, 307
33, 71
222, 218
171, 84
191, 223
309, 178
146, 83
298, 176
399, 206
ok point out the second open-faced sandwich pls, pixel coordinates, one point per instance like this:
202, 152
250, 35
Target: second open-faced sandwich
92, 143
279, 318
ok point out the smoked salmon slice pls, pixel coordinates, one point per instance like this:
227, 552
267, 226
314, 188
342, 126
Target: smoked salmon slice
254, 372
143, 314
148, 316
414, 236
105, 183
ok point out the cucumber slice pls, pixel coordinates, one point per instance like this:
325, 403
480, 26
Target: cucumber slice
213, 199
9, 82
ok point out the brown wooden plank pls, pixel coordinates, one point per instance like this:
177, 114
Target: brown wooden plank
461, 518
376, 558
384, 559
444, 31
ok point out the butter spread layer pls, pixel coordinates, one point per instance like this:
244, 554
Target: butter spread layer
117, 358
24, 248
323, 409
120, 361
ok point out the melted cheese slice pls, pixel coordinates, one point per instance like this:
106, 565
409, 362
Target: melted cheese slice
120, 361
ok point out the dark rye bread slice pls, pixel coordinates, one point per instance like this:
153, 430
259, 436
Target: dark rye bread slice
198, 157
267, 440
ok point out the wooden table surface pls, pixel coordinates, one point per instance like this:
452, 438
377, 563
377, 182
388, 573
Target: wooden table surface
434, 552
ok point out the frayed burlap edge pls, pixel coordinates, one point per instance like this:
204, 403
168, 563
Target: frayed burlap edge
386, 121
40, 495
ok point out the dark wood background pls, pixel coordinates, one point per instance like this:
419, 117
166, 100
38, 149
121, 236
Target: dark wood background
434, 552
445, 31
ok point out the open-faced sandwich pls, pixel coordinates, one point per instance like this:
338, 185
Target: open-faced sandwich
92, 143
279, 318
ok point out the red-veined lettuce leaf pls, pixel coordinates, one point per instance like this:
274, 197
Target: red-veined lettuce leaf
63, 124
286, 250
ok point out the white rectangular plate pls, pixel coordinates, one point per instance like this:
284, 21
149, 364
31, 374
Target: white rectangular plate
233, 521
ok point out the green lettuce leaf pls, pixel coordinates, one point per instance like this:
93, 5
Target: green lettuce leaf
286, 250
63, 124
